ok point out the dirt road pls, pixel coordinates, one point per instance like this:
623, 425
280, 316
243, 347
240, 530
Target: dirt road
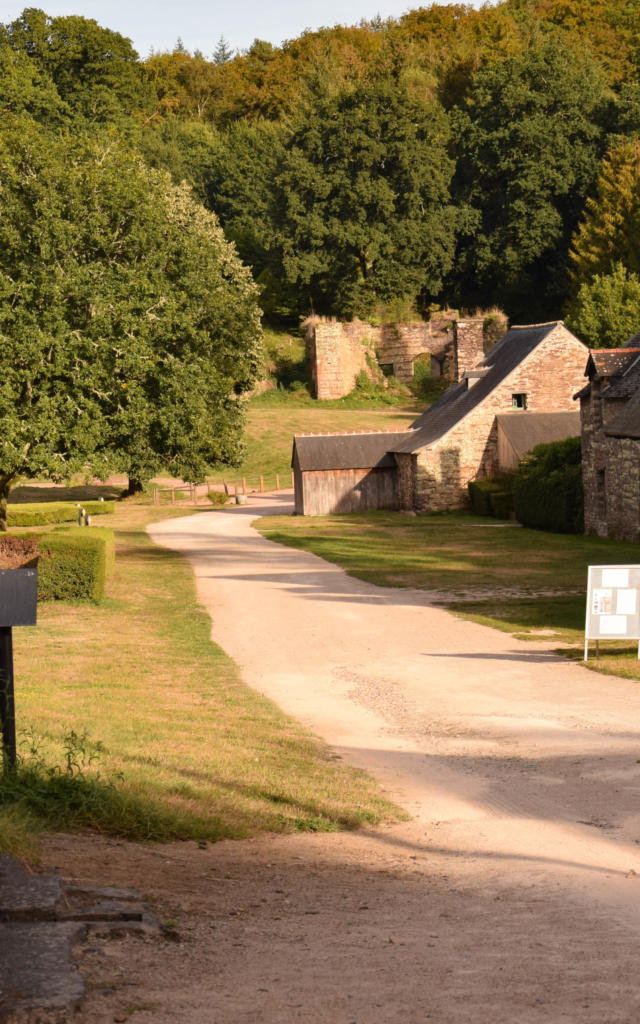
513, 894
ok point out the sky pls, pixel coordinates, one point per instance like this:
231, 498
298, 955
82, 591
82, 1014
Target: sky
157, 24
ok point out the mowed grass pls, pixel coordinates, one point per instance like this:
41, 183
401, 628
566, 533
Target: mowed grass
271, 426
189, 750
526, 582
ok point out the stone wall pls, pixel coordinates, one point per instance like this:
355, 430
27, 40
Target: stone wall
550, 377
339, 351
610, 472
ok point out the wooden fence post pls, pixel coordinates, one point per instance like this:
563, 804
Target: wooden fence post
261, 484
277, 482
244, 485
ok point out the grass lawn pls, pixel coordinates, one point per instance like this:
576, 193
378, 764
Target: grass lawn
272, 423
188, 751
525, 582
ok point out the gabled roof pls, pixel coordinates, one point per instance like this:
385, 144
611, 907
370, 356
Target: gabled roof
627, 422
615, 366
524, 430
346, 451
609, 362
459, 400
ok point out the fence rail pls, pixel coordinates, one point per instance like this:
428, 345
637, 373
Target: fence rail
199, 493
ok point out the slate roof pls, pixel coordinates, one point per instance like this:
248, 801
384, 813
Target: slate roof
627, 422
346, 451
524, 430
628, 382
608, 363
459, 400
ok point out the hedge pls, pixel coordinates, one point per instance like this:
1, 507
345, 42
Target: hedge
74, 563
501, 504
548, 488
480, 492
44, 513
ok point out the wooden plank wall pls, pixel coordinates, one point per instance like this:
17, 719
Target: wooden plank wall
348, 490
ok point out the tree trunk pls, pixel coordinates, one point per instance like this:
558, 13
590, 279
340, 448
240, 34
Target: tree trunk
4, 494
134, 487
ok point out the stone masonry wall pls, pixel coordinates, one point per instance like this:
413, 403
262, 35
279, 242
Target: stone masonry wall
550, 376
610, 472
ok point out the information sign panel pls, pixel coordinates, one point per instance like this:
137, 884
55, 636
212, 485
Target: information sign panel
613, 604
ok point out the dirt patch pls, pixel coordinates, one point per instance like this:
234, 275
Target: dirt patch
18, 553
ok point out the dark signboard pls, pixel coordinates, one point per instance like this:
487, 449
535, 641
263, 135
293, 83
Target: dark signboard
18, 595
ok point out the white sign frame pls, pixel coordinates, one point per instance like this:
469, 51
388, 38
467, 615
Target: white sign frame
613, 604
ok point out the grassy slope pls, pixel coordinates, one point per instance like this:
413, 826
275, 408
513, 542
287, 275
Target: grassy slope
273, 422
201, 755
523, 581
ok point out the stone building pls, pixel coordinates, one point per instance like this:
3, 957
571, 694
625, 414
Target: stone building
532, 373
531, 370
610, 414
338, 352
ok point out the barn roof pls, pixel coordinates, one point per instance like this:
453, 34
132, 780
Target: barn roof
346, 451
524, 430
461, 399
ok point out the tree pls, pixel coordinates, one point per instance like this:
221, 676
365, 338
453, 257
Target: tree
528, 144
96, 71
363, 199
128, 328
610, 231
223, 52
606, 310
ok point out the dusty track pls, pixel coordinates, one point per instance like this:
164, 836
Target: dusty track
513, 895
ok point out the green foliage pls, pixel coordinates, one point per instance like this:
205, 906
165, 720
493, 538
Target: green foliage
43, 513
528, 142
502, 504
75, 795
480, 494
75, 563
548, 492
218, 498
363, 199
606, 310
128, 328
609, 232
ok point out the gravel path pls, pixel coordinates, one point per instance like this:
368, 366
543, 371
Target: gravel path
513, 894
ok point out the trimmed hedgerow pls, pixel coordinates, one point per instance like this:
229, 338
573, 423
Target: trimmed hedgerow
501, 504
548, 491
75, 563
480, 492
45, 513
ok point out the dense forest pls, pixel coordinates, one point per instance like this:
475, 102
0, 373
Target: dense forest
455, 156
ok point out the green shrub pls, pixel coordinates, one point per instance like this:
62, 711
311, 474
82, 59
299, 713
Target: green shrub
548, 491
218, 498
501, 503
480, 492
48, 512
75, 563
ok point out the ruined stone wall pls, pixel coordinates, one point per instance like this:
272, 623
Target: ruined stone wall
550, 377
339, 351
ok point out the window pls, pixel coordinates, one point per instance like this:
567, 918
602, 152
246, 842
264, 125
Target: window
519, 401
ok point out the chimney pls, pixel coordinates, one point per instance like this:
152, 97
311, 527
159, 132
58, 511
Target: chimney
469, 344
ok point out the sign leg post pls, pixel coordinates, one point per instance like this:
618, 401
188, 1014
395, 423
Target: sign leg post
7, 706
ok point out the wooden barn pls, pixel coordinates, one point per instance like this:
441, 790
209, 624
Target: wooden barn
344, 472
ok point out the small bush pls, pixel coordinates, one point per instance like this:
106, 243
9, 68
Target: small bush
218, 498
49, 512
480, 492
74, 563
548, 491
